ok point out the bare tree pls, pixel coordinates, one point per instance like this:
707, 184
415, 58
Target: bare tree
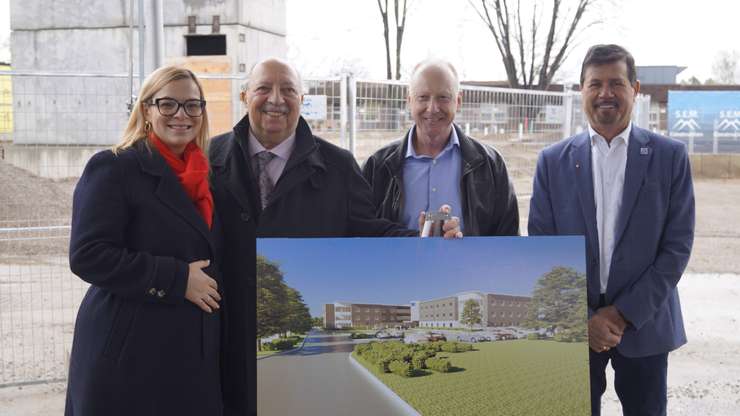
383, 7
725, 67
530, 58
400, 27
400, 11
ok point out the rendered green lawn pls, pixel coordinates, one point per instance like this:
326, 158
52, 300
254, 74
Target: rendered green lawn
507, 378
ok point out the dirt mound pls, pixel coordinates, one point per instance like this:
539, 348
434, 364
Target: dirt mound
35, 212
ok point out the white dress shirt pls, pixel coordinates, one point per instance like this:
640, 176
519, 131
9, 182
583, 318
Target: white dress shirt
282, 152
608, 163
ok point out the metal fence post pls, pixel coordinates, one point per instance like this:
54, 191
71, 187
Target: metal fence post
568, 113
343, 111
352, 112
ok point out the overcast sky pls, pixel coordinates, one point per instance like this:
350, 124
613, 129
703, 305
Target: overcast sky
324, 35
657, 32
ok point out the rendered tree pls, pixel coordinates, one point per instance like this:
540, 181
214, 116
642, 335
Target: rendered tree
530, 58
559, 303
317, 322
471, 314
298, 318
280, 308
272, 298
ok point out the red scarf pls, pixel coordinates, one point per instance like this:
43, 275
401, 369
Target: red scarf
192, 171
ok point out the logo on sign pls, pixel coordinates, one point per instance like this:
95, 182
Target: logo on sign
729, 124
729, 121
686, 124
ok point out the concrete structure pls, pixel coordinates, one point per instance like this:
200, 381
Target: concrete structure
658, 74
496, 310
363, 315
92, 37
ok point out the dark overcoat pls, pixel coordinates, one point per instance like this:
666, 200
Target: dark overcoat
140, 348
321, 193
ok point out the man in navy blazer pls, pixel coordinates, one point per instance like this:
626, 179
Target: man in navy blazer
629, 191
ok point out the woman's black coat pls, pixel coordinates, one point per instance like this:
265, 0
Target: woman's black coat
140, 348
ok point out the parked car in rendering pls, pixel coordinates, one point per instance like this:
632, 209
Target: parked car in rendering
396, 333
415, 338
467, 338
436, 336
382, 335
473, 337
505, 335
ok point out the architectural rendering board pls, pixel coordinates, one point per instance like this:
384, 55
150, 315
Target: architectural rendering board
399, 326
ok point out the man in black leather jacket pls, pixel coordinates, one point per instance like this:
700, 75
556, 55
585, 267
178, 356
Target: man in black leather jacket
435, 162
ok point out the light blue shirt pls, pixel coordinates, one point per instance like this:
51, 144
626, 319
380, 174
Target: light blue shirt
428, 183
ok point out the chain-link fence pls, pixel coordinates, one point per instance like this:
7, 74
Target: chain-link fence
51, 123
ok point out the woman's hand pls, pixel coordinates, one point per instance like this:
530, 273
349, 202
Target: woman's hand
202, 290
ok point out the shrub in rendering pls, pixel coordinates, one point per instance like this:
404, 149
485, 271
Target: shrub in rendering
361, 349
419, 360
434, 346
401, 368
383, 364
280, 344
439, 364
452, 346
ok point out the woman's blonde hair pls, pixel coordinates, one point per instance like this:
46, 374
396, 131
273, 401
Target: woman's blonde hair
135, 129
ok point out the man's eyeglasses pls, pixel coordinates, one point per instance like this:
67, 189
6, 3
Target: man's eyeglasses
170, 106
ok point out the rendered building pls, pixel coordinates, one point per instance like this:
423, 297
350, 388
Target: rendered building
495, 310
340, 315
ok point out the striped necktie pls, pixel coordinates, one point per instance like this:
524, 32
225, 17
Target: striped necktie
263, 179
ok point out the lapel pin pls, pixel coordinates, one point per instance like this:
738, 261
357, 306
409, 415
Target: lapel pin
644, 150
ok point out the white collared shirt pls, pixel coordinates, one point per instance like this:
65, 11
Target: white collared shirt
282, 152
608, 163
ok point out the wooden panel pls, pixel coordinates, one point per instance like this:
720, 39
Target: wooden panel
217, 92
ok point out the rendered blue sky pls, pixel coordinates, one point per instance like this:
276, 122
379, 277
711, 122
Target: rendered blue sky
399, 270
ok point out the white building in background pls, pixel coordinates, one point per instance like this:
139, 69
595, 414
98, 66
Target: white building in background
495, 310
414, 310
94, 37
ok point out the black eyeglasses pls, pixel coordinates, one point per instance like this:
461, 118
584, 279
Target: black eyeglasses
170, 106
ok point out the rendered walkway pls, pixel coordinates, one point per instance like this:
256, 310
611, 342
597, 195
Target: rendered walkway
319, 380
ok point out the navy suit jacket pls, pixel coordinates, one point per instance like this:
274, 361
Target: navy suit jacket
653, 237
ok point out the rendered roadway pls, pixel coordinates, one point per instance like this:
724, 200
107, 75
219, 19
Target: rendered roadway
319, 380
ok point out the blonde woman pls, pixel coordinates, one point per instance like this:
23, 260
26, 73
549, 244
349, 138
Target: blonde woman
147, 335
